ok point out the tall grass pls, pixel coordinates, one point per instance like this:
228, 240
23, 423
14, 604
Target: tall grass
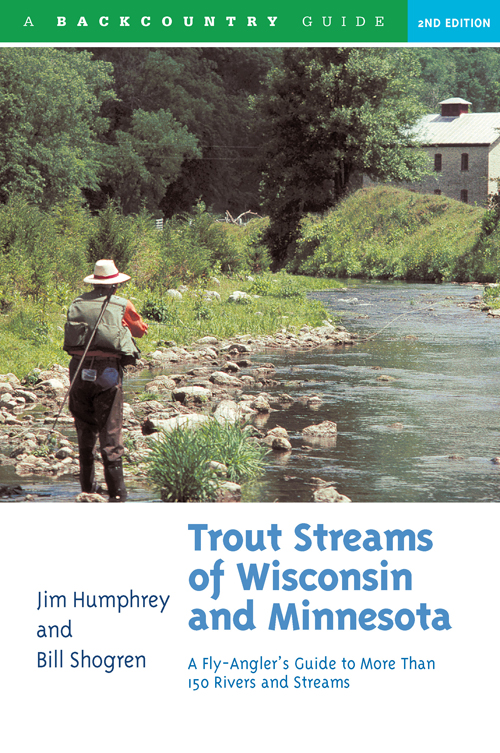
179, 469
179, 464
232, 445
390, 233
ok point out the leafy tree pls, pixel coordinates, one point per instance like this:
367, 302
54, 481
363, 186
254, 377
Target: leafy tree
204, 91
478, 78
470, 73
146, 159
328, 115
49, 122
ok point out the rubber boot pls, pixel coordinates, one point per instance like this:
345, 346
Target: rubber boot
113, 473
87, 481
87, 474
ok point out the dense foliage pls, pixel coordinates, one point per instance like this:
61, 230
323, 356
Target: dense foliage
50, 122
180, 127
330, 114
163, 128
468, 72
389, 233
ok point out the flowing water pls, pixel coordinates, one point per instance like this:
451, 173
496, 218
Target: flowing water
429, 433
417, 406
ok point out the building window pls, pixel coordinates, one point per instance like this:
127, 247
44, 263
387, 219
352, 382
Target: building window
464, 162
438, 192
438, 162
464, 195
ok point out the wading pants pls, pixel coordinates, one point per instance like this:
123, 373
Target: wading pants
97, 409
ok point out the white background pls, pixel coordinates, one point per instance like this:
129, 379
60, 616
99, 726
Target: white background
148, 548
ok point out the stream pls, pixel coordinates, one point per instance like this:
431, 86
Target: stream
417, 406
430, 432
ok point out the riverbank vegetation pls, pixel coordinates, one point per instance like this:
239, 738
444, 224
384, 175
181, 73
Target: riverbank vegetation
189, 466
46, 255
382, 233
390, 233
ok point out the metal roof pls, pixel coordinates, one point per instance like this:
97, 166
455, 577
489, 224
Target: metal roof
469, 128
455, 101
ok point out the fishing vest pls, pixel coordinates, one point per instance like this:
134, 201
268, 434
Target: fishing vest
111, 334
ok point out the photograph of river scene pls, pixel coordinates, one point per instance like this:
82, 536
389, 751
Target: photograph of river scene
312, 236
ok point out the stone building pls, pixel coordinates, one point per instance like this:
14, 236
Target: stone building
463, 150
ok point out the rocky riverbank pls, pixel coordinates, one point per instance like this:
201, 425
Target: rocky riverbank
187, 386
480, 304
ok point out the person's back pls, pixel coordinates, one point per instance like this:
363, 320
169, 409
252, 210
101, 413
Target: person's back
107, 322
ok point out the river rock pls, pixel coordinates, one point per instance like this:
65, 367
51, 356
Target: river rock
174, 294
324, 429
56, 372
208, 340
86, 497
236, 347
199, 394
228, 412
6, 388
10, 490
10, 379
160, 384
128, 412
281, 444
239, 297
153, 406
211, 295
165, 356
28, 396
246, 409
225, 380
187, 421
10, 403
278, 431
277, 438
314, 401
219, 468
231, 366
327, 331
328, 494
261, 404
53, 387
231, 487
64, 452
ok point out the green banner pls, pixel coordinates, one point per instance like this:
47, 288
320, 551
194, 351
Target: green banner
208, 22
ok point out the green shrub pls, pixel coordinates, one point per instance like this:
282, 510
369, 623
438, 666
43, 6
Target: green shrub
179, 464
491, 297
232, 445
158, 310
113, 237
179, 467
280, 285
248, 240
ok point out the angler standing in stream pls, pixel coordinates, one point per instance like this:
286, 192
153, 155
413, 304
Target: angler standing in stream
99, 336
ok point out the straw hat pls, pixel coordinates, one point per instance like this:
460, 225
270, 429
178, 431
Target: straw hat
106, 273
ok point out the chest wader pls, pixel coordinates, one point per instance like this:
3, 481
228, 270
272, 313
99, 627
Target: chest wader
96, 392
